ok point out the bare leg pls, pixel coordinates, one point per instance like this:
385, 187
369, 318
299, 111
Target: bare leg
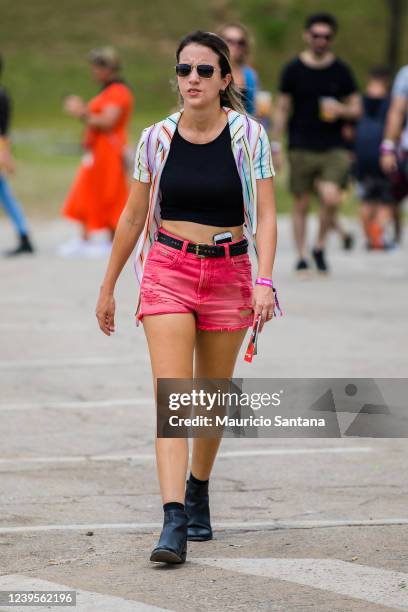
171, 339
85, 234
367, 213
216, 354
337, 227
384, 215
330, 197
300, 210
397, 217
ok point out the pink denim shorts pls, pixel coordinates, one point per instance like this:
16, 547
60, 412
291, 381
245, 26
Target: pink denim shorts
217, 290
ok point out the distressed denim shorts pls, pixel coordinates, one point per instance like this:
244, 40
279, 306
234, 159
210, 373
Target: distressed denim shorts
217, 290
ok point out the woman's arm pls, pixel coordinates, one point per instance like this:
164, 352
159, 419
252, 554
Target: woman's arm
280, 118
263, 296
266, 235
6, 158
396, 117
129, 228
266, 238
7, 162
105, 120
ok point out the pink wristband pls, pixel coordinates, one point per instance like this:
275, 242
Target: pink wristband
264, 281
268, 283
387, 146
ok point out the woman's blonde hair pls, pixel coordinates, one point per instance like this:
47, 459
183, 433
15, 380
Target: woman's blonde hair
231, 95
247, 36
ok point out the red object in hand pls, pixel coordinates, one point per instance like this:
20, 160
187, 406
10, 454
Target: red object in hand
251, 349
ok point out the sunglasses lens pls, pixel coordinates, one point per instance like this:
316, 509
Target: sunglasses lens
236, 41
183, 70
205, 71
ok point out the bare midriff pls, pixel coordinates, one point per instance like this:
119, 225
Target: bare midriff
197, 232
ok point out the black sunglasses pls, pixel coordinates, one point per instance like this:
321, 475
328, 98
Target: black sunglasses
315, 35
203, 70
241, 42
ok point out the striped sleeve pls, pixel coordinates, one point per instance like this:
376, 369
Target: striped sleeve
262, 156
142, 171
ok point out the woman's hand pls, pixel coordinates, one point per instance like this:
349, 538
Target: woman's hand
263, 303
75, 106
105, 312
388, 162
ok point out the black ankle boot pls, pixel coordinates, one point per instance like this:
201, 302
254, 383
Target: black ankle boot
172, 545
25, 246
197, 507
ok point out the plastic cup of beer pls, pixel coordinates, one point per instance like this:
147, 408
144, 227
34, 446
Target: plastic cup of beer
263, 103
324, 109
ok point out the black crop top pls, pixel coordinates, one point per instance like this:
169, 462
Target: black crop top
200, 182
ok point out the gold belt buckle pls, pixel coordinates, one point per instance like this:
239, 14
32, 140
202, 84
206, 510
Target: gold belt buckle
197, 248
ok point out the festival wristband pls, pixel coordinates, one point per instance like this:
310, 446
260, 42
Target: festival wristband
268, 283
264, 281
387, 146
276, 146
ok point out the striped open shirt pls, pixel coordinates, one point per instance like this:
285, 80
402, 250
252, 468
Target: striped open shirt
252, 153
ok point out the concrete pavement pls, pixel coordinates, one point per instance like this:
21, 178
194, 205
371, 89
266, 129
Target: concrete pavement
300, 524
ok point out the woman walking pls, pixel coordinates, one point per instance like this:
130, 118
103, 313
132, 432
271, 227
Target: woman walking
100, 189
203, 171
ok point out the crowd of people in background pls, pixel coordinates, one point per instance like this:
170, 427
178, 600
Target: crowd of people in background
335, 137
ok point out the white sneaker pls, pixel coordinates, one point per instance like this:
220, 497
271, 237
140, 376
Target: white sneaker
72, 248
97, 249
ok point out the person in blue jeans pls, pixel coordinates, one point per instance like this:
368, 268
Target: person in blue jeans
7, 166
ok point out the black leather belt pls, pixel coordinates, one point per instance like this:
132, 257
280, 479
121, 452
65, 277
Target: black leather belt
205, 250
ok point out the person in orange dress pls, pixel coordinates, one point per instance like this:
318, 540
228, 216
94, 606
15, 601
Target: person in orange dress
100, 189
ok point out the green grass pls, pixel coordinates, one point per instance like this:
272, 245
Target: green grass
45, 45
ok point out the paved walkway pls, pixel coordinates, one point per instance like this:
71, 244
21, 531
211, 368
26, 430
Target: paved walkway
300, 524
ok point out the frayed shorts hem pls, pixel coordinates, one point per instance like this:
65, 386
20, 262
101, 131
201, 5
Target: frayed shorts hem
234, 328
200, 326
